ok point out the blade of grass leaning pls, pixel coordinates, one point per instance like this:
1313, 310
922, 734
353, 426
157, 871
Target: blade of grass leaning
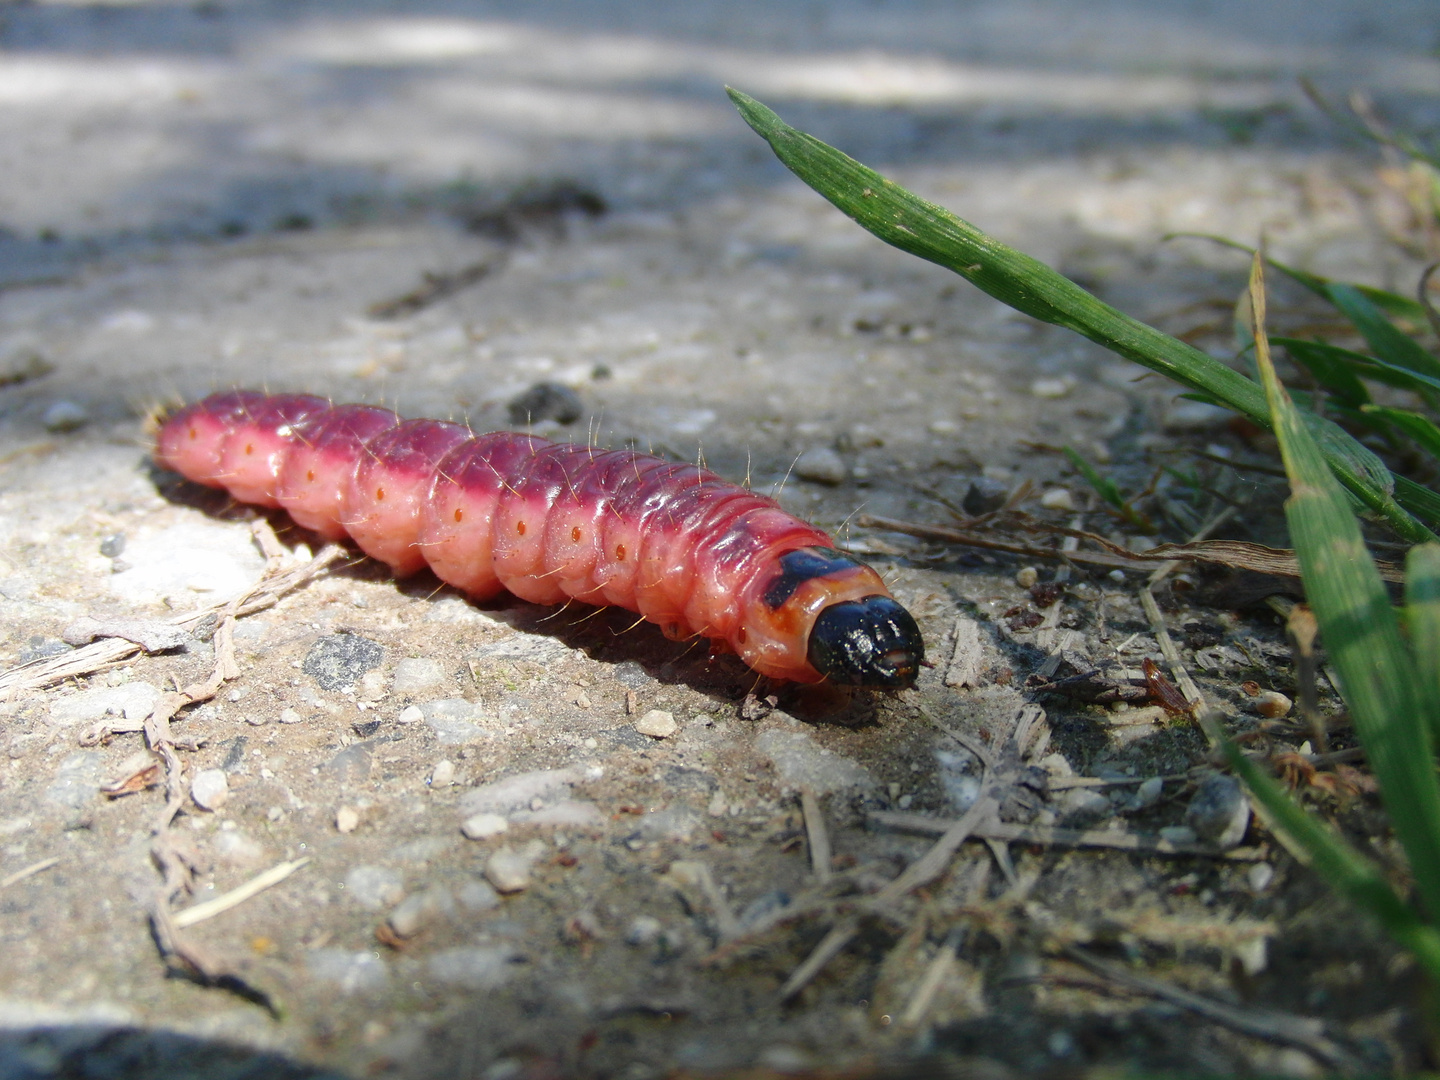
1343, 868
1108, 490
1422, 619
1402, 307
1419, 428
1419, 500
1335, 373
1388, 342
1360, 628
908, 222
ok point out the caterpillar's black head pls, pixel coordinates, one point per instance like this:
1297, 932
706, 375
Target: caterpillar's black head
869, 642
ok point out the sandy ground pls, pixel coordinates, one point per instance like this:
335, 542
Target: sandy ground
206, 195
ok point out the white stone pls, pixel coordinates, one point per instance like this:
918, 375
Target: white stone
210, 789
822, 465
658, 724
1051, 388
482, 826
415, 674
443, 775
509, 870
132, 700
347, 819
1058, 499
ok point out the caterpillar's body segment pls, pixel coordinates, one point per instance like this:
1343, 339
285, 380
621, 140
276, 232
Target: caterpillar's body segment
551, 522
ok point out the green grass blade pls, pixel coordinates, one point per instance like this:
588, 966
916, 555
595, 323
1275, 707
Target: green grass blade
1420, 429
1422, 617
1343, 868
1420, 501
1334, 372
1389, 344
908, 222
1108, 490
1360, 628
1402, 307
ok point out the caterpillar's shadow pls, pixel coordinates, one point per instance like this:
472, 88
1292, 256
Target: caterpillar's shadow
636, 649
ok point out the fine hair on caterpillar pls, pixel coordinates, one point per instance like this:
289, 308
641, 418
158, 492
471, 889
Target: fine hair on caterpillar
553, 522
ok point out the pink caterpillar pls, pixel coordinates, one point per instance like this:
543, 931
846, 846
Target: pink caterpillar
552, 522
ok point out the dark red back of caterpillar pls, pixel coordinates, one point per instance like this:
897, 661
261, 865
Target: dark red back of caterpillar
550, 522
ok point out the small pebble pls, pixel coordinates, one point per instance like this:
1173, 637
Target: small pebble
415, 674
509, 870
658, 724
643, 930
290, 716
64, 416
1271, 704
822, 465
1051, 388
1148, 793
210, 789
484, 826
339, 660
1178, 834
444, 774
113, 546
545, 401
421, 909
1259, 876
347, 819
985, 495
411, 714
1058, 499
1219, 812
1026, 577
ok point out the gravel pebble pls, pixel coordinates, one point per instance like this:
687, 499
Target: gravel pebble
290, 716
1058, 499
134, 701
1219, 812
374, 887
509, 870
453, 720
414, 674
545, 401
1051, 388
421, 909
64, 416
985, 495
658, 724
519, 790
196, 561
77, 780
822, 465
347, 819
339, 660
443, 775
484, 825
411, 714
210, 789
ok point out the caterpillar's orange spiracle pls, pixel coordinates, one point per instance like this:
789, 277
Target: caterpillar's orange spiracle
552, 522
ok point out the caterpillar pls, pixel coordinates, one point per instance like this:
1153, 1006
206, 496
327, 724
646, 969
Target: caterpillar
553, 522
